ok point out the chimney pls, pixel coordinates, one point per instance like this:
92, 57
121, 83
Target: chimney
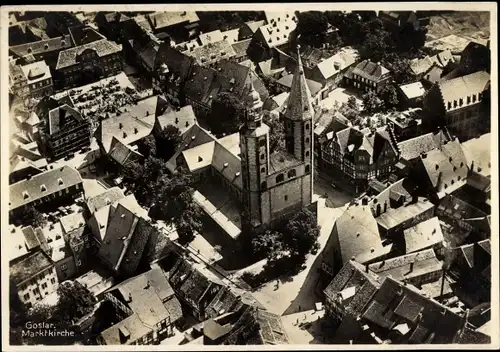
411, 266
442, 284
366, 268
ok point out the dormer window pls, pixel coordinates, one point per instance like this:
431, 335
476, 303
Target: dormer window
60, 182
30, 50
26, 195
124, 135
461, 102
43, 188
455, 103
468, 100
449, 105
473, 98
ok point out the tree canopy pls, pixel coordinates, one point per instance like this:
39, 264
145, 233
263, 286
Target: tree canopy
312, 27
371, 102
226, 115
31, 216
167, 142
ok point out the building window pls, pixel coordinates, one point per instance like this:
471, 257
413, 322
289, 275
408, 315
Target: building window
307, 153
52, 281
292, 173
64, 267
286, 198
307, 140
26, 296
307, 126
44, 285
262, 169
307, 168
262, 142
262, 157
449, 105
263, 184
36, 291
280, 178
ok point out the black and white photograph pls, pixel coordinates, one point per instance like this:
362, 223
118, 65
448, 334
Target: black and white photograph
184, 176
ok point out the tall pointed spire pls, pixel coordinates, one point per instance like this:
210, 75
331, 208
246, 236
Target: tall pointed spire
253, 103
299, 106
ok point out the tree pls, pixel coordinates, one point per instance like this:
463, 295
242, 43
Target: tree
399, 66
276, 132
147, 146
301, 233
349, 111
371, 102
389, 96
269, 244
226, 115
167, 142
30, 216
312, 27
174, 204
375, 45
352, 102
75, 301
142, 179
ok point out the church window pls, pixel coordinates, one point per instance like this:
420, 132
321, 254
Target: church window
292, 173
307, 140
262, 142
262, 169
307, 168
280, 178
263, 184
262, 157
307, 153
307, 126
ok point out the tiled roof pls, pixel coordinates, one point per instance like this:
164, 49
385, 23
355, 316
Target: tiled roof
357, 232
131, 326
36, 71
478, 152
240, 48
130, 126
72, 222
394, 192
210, 37
122, 153
277, 32
123, 226
413, 90
441, 60
165, 19
446, 167
108, 197
192, 138
370, 70
214, 330
299, 105
271, 67
62, 116
462, 88
42, 46
41, 185
149, 292
212, 52
199, 156
423, 235
227, 164
355, 279
28, 267
396, 216
338, 62
255, 25
421, 267
272, 331
412, 148
101, 47
429, 321
183, 119
314, 87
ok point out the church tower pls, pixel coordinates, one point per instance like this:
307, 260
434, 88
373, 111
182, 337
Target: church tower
277, 184
254, 145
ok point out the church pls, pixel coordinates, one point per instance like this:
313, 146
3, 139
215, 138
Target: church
280, 183
243, 186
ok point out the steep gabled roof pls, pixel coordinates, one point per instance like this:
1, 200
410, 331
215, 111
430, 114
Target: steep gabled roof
299, 106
